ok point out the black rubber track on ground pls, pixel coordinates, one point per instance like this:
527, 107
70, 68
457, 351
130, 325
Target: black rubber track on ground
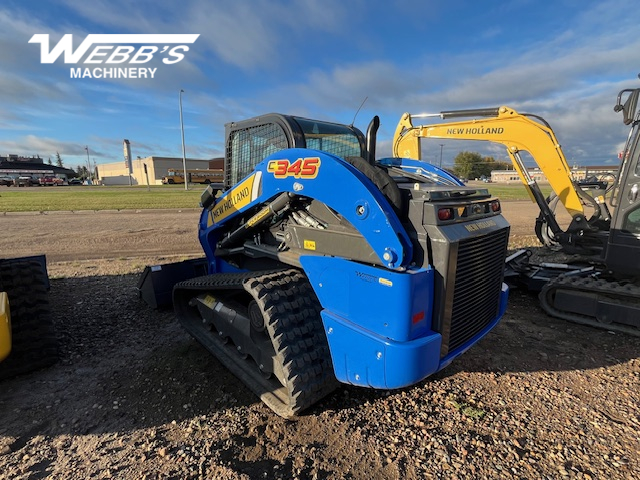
291, 313
34, 342
621, 293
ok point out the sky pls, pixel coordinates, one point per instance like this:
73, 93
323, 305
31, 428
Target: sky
565, 60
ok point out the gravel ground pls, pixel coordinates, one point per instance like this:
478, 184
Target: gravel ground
135, 397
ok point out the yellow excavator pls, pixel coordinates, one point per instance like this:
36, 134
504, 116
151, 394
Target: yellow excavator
519, 133
606, 294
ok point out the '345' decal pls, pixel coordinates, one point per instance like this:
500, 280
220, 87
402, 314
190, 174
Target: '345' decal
301, 168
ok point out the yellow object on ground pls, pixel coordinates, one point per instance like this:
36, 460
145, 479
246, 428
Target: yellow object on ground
5, 326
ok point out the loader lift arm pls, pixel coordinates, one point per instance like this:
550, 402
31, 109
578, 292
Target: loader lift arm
518, 132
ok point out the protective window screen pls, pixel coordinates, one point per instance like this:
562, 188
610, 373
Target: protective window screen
331, 138
250, 146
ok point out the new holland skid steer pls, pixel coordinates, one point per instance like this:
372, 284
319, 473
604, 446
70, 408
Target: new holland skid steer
325, 266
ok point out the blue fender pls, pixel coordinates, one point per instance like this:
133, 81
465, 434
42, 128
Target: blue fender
377, 321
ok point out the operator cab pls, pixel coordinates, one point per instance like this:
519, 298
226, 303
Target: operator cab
250, 141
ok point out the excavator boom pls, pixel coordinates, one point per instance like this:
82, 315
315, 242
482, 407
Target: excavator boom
518, 133
502, 125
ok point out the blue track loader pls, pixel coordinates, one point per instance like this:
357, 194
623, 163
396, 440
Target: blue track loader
325, 265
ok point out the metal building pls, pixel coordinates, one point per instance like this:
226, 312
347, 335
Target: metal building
117, 173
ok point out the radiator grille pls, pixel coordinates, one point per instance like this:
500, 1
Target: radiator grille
479, 273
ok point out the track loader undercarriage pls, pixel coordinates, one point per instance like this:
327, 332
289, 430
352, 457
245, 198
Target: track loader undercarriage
266, 328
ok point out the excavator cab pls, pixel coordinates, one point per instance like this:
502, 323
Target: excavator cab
623, 249
609, 296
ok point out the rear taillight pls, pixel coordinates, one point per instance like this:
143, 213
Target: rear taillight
445, 214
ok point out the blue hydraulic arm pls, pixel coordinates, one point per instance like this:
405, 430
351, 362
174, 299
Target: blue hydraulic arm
320, 176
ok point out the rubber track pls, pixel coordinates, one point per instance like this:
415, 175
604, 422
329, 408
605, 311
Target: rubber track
34, 342
625, 293
291, 313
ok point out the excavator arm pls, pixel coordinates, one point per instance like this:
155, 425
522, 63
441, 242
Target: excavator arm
502, 125
518, 133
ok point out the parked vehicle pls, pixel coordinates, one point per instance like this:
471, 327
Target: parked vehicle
206, 177
6, 181
25, 181
309, 231
607, 294
50, 180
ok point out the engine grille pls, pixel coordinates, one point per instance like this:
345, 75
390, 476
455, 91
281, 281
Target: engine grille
479, 274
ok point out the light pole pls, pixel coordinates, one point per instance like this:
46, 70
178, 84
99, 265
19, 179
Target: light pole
441, 145
89, 166
184, 158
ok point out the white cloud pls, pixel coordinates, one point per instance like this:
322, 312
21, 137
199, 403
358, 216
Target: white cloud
247, 34
319, 59
42, 146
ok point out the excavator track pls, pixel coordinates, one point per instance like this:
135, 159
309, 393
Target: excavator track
286, 327
597, 302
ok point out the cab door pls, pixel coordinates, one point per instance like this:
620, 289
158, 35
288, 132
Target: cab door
623, 250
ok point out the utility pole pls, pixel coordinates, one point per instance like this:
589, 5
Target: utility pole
441, 145
89, 166
184, 157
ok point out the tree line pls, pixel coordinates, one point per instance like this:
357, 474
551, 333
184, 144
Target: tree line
472, 165
82, 171
467, 165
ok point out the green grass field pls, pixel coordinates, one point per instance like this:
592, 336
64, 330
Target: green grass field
30, 199
511, 192
131, 198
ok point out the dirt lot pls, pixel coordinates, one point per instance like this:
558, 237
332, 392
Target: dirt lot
135, 397
88, 235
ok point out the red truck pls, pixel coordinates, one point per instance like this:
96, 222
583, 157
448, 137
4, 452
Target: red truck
50, 180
